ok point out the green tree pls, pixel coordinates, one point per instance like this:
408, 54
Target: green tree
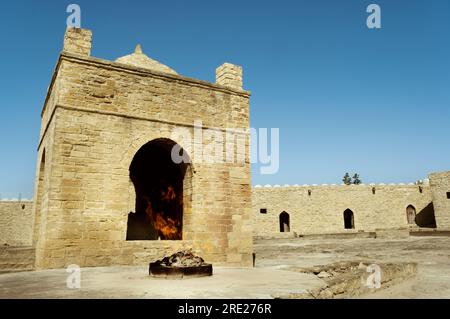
356, 179
347, 179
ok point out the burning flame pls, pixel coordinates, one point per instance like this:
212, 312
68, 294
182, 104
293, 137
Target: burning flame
169, 195
167, 228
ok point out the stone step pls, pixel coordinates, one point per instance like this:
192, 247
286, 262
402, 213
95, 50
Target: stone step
430, 232
347, 235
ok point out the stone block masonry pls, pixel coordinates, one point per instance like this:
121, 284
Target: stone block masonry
78, 41
440, 185
229, 75
98, 115
322, 209
16, 222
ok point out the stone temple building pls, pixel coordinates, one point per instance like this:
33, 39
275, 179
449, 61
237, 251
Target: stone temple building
108, 192
104, 164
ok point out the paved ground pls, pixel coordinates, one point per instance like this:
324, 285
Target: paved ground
134, 282
432, 254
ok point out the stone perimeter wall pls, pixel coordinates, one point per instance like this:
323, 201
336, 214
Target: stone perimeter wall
318, 213
320, 209
16, 222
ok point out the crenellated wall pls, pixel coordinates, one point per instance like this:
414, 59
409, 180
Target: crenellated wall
312, 209
320, 209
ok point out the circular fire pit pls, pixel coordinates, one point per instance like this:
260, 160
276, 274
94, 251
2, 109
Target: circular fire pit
183, 264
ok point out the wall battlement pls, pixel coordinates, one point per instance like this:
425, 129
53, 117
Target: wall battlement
297, 186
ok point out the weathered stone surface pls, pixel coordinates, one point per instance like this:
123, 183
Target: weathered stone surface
16, 259
78, 41
410, 267
139, 59
350, 281
320, 209
324, 274
440, 189
229, 75
16, 222
96, 117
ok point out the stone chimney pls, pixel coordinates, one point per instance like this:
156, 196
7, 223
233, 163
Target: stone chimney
229, 75
78, 41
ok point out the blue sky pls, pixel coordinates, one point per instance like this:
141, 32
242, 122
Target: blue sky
345, 98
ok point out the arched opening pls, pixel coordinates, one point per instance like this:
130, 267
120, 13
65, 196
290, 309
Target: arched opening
39, 197
349, 220
284, 223
161, 187
411, 214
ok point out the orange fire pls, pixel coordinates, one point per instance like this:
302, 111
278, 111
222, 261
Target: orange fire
168, 195
167, 228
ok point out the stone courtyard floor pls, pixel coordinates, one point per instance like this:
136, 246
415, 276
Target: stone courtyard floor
432, 255
272, 277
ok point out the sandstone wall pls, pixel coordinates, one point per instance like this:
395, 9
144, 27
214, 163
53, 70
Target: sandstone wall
440, 189
319, 209
16, 220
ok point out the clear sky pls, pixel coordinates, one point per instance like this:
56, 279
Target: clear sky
345, 98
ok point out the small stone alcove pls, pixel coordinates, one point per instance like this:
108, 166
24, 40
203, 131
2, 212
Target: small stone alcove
285, 226
411, 214
349, 219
